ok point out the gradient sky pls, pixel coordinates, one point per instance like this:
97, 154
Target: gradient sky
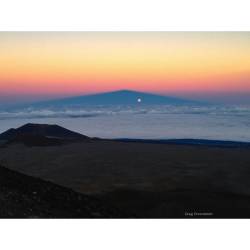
201, 65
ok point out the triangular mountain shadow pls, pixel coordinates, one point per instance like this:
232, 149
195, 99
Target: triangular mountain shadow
121, 97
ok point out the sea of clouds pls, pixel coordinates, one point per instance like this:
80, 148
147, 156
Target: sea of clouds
215, 122
91, 111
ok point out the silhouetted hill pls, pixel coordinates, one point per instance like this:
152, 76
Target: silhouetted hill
41, 135
23, 196
122, 97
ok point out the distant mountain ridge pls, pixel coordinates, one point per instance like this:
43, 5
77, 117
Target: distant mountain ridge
121, 97
191, 142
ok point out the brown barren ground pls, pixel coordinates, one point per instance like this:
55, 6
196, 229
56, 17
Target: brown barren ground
149, 180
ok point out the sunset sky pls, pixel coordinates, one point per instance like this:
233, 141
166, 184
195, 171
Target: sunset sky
42, 65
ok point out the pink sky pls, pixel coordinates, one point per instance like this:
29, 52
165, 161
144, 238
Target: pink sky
44, 65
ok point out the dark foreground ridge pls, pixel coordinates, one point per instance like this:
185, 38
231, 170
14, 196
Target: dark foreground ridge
23, 196
41, 135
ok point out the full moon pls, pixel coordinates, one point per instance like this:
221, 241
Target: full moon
139, 100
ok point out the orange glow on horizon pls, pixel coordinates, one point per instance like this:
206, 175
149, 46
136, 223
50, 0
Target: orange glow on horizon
71, 63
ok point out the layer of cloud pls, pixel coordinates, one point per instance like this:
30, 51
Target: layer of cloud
70, 112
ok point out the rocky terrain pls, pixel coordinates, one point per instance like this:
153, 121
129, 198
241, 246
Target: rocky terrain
22, 196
